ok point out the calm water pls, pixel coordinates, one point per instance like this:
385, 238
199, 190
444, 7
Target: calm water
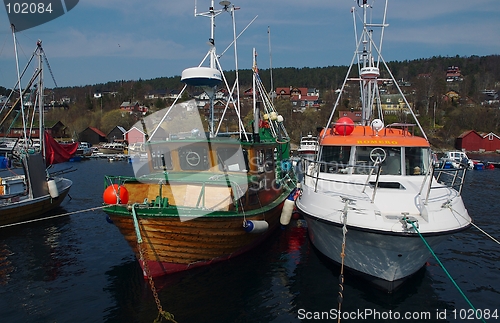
78, 268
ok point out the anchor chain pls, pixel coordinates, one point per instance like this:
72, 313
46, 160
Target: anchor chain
161, 313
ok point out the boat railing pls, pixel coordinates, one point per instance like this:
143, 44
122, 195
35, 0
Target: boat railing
237, 191
312, 168
448, 177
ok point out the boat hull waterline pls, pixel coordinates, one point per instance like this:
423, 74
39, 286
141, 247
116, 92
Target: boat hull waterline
34, 208
172, 245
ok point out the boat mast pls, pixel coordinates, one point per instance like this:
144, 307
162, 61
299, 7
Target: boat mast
256, 112
41, 121
369, 73
19, 86
272, 93
210, 90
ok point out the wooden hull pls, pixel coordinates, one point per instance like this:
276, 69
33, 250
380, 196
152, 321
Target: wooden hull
172, 245
30, 209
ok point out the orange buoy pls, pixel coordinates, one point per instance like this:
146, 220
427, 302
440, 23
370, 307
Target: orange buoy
344, 126
110, 195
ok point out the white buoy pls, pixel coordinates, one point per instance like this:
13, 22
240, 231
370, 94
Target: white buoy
286, 211
52, 188
255, 226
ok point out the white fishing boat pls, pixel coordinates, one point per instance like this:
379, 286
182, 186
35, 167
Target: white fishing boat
373, 200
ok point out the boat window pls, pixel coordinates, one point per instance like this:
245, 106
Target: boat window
365, 156
193, 158
232, 159
393, 185
335, 159
416, 160
161, 159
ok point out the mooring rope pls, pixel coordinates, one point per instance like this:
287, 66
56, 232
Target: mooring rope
52, 217
342, 256
446, 271
474, 225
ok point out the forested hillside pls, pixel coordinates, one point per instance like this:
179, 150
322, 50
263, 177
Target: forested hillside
443, 121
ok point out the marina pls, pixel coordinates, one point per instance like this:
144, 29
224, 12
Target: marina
205, 212
78, 266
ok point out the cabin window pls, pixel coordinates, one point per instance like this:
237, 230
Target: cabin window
416, 160
335, 158
232, 159
193, 158
161, 158
366, 155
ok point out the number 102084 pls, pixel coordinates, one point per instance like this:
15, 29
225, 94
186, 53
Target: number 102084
28, 8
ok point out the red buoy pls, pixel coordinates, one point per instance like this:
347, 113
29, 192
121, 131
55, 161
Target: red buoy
110, 195
344, 126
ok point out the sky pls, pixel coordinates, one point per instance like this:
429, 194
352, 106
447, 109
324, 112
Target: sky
101, 41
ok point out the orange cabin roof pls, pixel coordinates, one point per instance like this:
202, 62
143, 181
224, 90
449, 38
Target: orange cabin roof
365, 136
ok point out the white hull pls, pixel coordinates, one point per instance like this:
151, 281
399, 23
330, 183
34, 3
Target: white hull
387, 259
378, 243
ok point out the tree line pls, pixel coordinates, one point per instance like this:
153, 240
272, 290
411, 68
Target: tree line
442, 119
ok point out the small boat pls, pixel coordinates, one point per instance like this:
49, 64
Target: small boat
111, 148
203, 197
478, 165
308, 146
456, 159
373, 194
84, 149
30, 192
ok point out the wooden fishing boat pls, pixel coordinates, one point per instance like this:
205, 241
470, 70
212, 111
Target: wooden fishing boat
203, 197
30, 192
373, 200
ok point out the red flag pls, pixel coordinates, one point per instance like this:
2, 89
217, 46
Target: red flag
55, 152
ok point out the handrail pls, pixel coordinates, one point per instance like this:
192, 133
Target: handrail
286, 180
379, 169
449, 177
306, 162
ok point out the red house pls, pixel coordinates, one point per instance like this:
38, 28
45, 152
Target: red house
473, 141
491, 142
134, 135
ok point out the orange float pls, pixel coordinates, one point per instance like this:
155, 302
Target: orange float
110, 195
344, 126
